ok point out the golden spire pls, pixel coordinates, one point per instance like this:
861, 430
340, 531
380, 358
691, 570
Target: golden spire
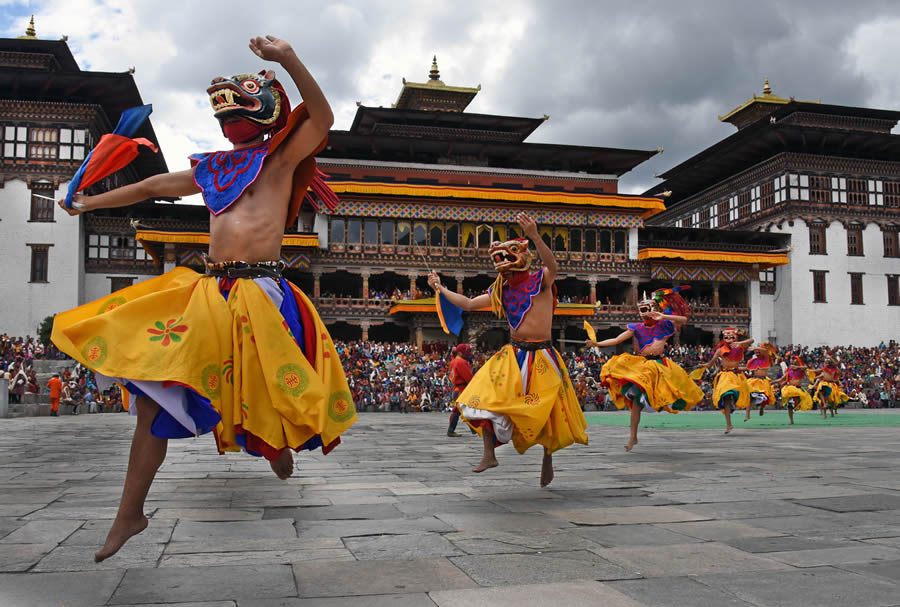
30, 34
767, 90
434, 74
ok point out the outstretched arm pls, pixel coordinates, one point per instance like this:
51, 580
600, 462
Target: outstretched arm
625, 335
529, 227
460, 301
675, 318
744, 343
712, 361
304, 141
180, 183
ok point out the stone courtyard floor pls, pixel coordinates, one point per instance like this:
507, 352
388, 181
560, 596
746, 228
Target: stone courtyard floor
771, 516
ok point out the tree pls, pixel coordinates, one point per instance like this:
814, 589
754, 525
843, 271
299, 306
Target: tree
44, 330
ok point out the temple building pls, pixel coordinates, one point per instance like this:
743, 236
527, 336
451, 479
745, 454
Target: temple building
51, 114
423, 185
829, 177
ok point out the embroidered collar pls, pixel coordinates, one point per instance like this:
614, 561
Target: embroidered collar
647, 334
518, 291
223, 176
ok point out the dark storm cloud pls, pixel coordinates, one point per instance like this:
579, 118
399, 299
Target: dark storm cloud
649, 74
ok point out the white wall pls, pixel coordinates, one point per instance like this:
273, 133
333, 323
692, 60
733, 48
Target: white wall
24, 305
98, 285
836, 322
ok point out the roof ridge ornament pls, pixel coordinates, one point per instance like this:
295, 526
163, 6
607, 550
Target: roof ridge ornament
30, 33
434, 74
767, 90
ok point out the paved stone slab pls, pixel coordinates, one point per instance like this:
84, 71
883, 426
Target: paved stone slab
751, 509
324, 579
510, 521
613, 536
203, 604
401, 547
83, 589
503, 569
286, 557
861, 553
885, 569
676, 592
822, 587
8, 525
386, 526
784, 543
325, 513
193, 531
93, 533
719, 531
170, 585
254, 545
81, 558
380, 600
21, 557
570, 594
686, 559
493, 541
630, 515
855, 503
210, 514
43, 532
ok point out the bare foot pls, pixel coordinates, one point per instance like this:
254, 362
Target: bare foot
283, 467
546, 470
630, 445
485, 465
118, 535
729, 429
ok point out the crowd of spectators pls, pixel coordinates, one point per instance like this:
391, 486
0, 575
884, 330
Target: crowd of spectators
395, 377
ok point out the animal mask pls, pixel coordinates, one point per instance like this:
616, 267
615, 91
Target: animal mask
511, 256
255, 98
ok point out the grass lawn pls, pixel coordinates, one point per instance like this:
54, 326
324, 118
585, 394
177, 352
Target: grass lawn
699, 420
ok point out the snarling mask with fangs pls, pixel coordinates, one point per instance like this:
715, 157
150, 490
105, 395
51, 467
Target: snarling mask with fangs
511, 256
252, 97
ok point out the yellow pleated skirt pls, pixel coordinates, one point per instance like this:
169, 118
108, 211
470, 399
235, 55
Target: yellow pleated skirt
804, 400
835, 395
736, 383
664, 384
533, 392
239, 354
762, 385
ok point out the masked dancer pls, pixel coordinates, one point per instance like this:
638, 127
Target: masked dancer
761, 391
730, 388
523, 393
238, 351
649, 379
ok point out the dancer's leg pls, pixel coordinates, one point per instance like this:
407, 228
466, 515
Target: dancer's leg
790, 408
726, 409
147, 455
635, 421
488, 458
546, 469
283, 467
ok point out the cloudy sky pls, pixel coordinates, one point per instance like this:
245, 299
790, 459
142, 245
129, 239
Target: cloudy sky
638, 74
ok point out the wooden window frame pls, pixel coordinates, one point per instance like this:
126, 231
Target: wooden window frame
818, 277
856, 289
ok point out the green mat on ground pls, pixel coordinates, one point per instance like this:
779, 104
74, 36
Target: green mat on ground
699, 420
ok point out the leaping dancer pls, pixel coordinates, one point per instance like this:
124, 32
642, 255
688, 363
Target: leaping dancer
793, 396
523, 393
238, 351
828, 392
761, 391
650, 379
730, 388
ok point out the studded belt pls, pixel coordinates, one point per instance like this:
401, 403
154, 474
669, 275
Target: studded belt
243, 269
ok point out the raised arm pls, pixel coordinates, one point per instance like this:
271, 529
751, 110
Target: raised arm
461, 301
529, 227
625, 335
180, 183
744, 343
304, 141
716, 356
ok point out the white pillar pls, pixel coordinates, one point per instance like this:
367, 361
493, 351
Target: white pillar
4, 398
632, 243
757, 331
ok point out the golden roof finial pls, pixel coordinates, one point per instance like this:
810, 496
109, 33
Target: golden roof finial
434, 74
30, 34
767, 90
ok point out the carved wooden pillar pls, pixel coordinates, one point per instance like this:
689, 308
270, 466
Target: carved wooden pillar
632, 297
317, 285
170, 257
412, 286
716, 295
459, 283
365, 331
419, 339
365, 290
593, 282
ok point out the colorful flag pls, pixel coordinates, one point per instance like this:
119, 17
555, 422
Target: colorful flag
113, 152
449, 314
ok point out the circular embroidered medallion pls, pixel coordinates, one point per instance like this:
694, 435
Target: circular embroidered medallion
95, 352
532, 399
110, 304
209, 379
292, 379
474, 402
340, 406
